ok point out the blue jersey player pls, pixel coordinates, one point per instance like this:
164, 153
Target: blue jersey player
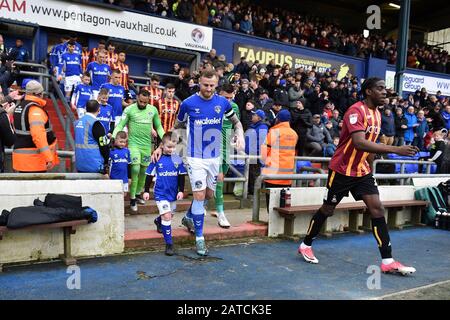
120, 160
203, 114
71, 67
81, 95
100, 72
116, 95
169, 187
106, 111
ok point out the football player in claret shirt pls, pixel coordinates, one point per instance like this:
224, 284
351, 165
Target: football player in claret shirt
155, 91
169, 187
350, 171
168, 108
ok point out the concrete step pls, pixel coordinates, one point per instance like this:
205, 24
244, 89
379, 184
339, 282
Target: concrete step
151, 239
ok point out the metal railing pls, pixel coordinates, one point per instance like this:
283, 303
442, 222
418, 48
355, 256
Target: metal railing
261, 178
61, 154
402, 163
43, 76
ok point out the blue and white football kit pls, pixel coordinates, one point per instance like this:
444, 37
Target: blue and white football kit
99, 75
105, 117
71, 63
119, 160
81, 95
115, 99
166, 172
204, 122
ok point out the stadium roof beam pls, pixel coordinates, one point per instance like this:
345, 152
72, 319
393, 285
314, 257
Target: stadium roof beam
402, 52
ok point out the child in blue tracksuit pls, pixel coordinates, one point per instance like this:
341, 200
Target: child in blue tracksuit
120, 160
169, 187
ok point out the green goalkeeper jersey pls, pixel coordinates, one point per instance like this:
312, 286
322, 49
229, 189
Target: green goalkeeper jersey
140, 124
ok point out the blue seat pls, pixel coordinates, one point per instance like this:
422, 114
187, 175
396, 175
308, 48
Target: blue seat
300, 164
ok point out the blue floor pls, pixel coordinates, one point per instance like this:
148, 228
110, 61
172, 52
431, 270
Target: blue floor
270, 270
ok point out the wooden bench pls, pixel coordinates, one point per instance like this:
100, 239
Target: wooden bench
355, 209
68, 229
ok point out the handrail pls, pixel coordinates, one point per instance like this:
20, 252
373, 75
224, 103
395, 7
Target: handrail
150, 73
63, 121
42, 76
259, 180
61, 153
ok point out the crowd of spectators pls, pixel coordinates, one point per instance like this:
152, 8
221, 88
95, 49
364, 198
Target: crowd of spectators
291, 27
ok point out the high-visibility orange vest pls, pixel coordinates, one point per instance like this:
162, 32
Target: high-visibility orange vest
35, 141
278, 152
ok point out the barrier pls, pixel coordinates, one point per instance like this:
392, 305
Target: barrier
105, 237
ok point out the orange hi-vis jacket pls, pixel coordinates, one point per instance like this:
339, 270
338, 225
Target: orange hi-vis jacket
35, 141
278, 152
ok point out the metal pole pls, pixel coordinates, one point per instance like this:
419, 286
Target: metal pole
246, 175
402, 46
402, 171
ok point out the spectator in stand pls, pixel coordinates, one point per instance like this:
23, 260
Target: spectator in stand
201, 13
401, 124
412, 124
243, 68
387, 127
437, 120
271, 114
437, 149
243, 95
227, 19
148, 6
317, 137
446, 116
295, 93
301, 121
246, 25
421, 131
185, 10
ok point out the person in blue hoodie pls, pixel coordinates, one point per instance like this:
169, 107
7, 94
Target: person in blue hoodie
446, 115
421, 131
412, 124
387, 133
254, 137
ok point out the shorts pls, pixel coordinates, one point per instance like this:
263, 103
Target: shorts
81, 112
165, 206
95, 94
141, 156
339, 185
203, 173
71, 82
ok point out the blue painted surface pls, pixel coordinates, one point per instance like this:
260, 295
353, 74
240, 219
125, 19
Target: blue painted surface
257, 271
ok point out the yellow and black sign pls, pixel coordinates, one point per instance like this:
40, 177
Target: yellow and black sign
264, 55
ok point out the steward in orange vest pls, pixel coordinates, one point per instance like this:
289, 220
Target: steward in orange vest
278, 152
35, 146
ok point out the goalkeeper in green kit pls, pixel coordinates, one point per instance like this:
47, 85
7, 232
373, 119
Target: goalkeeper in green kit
141, 118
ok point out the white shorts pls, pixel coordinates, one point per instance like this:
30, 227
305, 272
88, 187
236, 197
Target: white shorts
165, 206
71, 82
81, 112
203, 173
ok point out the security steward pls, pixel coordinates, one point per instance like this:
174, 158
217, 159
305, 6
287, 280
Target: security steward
35, 145
92, 144
278, 151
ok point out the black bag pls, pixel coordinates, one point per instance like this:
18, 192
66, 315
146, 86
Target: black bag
444, 188
62, 201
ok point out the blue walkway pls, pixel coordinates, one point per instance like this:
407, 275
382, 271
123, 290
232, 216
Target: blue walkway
269, 270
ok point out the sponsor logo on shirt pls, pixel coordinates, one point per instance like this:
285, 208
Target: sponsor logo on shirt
208, 121
168, 174
353, 118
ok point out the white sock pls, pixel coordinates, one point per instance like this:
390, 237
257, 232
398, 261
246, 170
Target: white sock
304, 246
387, 261
199, 238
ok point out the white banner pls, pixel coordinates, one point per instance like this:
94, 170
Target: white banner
413, 82
110, 23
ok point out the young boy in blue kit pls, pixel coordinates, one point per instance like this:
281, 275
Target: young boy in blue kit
120, 160
169, 187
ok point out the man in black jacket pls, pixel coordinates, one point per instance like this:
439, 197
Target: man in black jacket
7, 136
301, 120
401, 124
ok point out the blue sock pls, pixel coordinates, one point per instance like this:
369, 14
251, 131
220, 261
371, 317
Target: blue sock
189, 212
167, 231
198, 213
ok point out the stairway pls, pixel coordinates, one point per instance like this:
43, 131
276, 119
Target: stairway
58, 128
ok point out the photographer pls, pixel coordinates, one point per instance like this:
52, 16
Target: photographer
7, 137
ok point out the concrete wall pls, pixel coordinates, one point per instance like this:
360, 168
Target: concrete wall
104, 237
336, 223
